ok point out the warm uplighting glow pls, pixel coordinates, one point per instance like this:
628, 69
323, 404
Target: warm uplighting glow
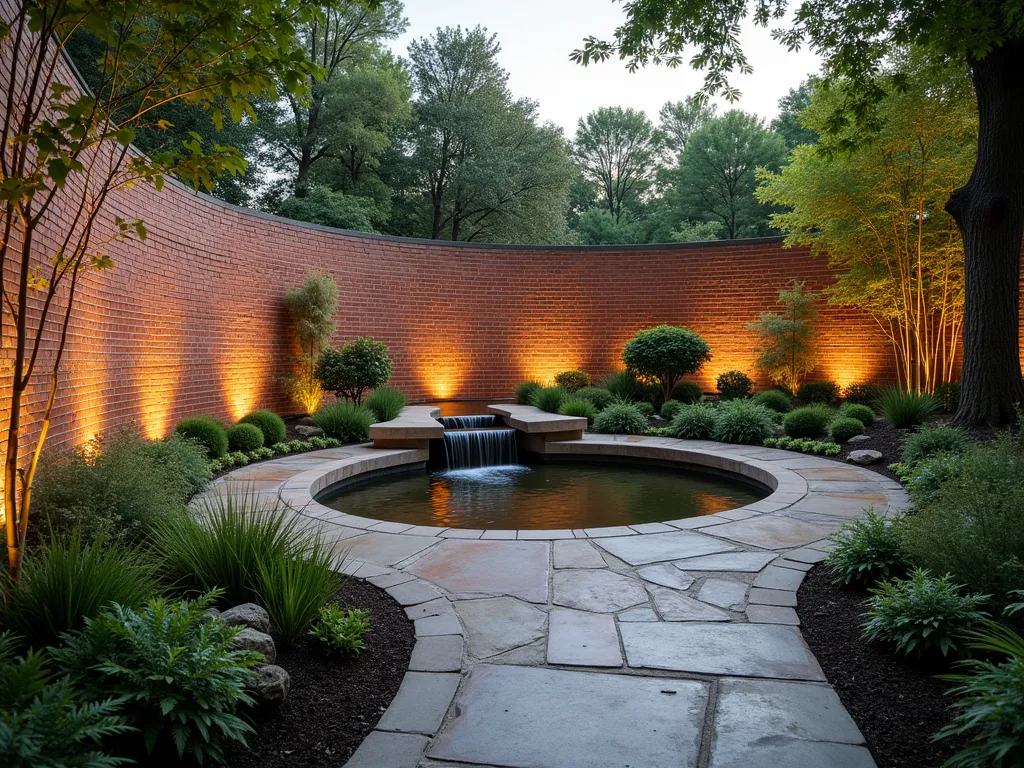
555, 341
844, 375
438, 361
242, 365
157, 375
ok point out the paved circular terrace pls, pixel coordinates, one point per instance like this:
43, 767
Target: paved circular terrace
646, 646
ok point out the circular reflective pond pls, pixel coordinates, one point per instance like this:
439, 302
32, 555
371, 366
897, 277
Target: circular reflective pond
543, 496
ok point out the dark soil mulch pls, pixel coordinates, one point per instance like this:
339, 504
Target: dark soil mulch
885, 439
333, 704
897, 703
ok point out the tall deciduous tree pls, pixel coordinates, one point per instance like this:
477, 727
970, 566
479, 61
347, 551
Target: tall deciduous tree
618, 150
679, 119
788, 123
786, 339
853, 40
877, 212
64, 150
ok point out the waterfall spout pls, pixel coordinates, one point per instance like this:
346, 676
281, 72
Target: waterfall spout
469, 422
480, 448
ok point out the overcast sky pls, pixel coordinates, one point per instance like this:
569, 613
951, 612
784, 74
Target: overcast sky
537, 36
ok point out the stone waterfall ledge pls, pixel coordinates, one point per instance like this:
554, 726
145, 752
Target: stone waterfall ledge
414, 427
537, 427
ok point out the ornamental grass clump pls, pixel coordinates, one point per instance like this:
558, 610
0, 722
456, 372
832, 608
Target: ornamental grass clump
906, 409
687, 392
861, 413
600, 397
549, 399
578, 406
386, 403
931, 441
670, 408
694, 422
347, 422
743, 422
808, 421
621, 419
625, 386
525, 390
866, 551
843, 428
775, 399
269, 423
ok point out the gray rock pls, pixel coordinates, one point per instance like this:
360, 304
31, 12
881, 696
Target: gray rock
269, 684
309, 431
209, 615
306, 421
859, 438
250, 639
247, 615
864, 457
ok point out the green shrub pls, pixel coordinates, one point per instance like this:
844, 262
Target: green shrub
861, 413
826, 392
67, 582
549, 399
239, 458
948, 396
808, 421
670, 408
578, 406
341, 631
694, 422
645, 408
804, 445
386, 403
930, 441
743, 422
43, 722
665, 354
525, 390
861, 393
206, 431
625, 386
120, 483
281, 449
774, 399
601, 398
924, 479
733, 385
348, 371
244, 437
921, 614
179, 675
294, 588
866, 551
687, 392
843, 428
572, 381
347, 422
906, 409
621, 420
990, 703
261, 454
269, 423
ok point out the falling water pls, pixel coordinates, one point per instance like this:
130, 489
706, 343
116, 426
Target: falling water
480, 448
469, 422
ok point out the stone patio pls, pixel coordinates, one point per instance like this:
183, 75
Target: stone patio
669, 644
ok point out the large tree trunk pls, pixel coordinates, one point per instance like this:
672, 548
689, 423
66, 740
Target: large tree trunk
989, 211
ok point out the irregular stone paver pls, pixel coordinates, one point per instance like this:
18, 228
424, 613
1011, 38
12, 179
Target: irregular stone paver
600, 591
842, 504
516, 568
765, 724
442, 653
442, 624
389, 750
421, 703
638, 614
665, 575
771, 532
753, 650
498, 624
761, 596
772, 614
583, 639
676, 607
657, 547
433, 608
725, 593
741, 562
577, 554
774, 577
806, 555
413, 593
523, 717
383, 548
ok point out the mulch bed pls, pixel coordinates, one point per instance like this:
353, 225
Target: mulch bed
885, 439
333, 704
897, 703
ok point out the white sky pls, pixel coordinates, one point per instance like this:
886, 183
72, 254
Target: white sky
537, 36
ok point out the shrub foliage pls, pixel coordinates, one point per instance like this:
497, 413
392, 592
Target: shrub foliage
578, 406
206, 431
866, 551
386, 403
744, 422
269, 423
931, 441
774, 399
572, 381
826, 392
244, 438
843, 428
622, 419
342, 632
548, 399
348, 371
665, 354
734, 384
347, 422
808, 421
687, 392
906, 409
694, 422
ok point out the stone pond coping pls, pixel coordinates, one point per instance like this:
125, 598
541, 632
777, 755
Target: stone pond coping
414, 427
531, 420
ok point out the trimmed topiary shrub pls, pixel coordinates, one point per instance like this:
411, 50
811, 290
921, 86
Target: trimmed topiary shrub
861, 392
665, 353
826, 392
572, 381
743, 422
525, 390
931, 441
906, 409
694, 422
601, 398
621, 419
687, 392
775, 399
549, 399
269, 423
733, 385
347, 422
386, 403
645, 408
625, 386
808, 421
670, 408
578, 406
206, 431
861, 413
348, 371
843, 428
244, 437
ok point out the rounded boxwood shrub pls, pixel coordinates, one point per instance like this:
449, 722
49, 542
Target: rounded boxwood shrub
601, 398
244, 437
743, 422
861, 413
347, 422
645, 408
670, 408
549, 399
666, 354
572, 381
733, 385
931, 441
843, 428
687, 392
206, 431
808, 421
694, 422
826, 392
525, 390
621, 419
269, 423
578, 406
860, 392
775, 399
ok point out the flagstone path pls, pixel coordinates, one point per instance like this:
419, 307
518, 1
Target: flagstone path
648, 646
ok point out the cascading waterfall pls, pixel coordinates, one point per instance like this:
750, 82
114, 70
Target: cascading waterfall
480, 448
469, 422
